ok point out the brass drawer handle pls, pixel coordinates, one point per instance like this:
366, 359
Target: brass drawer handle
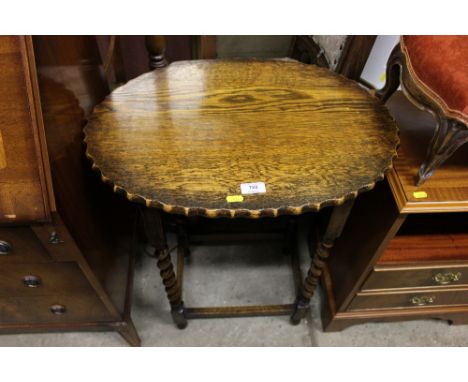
446, 278
422, 300
32, 281
57, 309
5, 247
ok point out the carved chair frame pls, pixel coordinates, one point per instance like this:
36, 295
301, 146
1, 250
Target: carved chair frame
451, 130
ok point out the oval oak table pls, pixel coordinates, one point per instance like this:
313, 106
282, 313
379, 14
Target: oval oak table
183, 139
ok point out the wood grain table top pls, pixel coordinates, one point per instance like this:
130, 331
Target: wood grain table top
184, 138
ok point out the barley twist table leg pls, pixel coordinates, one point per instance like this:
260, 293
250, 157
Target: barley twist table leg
333, 231
183, 238
155, 231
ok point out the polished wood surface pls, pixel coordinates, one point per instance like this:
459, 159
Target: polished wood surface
447, 190
422, 275
185, 137
414, 248
397, 246
82, 307
369, 230
54, 278
71, 83
24, 247
25, 194
412, 300
57, 274
336, 320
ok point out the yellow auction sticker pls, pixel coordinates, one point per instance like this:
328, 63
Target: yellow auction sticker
234, 198
420, 194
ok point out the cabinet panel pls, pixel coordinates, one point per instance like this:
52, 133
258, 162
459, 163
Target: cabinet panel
398, 248
22, 191
67, 308
32, 280
45, 281
20, 245
423, 248
385, 278
417, 300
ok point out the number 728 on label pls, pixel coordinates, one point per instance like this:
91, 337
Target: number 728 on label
253, 188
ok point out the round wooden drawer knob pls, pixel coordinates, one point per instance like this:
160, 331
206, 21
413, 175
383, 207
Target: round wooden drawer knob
5, 247
57, 309
32, 281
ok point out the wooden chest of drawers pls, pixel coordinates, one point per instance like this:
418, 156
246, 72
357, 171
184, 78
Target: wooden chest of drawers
25, 190
382, 278
36, 289
59, 268
402, 256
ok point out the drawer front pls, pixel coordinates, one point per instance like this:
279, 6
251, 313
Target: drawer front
31, 280
409, 278
23, 193
84, 307
20, 245
416, 300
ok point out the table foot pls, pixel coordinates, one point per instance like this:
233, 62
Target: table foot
301, 306
157, 237
178, 315
172, 288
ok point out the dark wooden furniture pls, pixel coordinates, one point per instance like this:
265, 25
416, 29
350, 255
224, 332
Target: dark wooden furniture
432, 71
182, 140
346, 55
404, 253
58, 271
